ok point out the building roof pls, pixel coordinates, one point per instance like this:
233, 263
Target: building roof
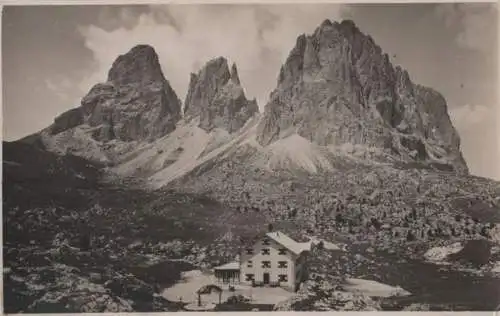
287, 242
229, 266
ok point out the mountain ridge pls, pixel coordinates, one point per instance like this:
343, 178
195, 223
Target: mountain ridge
337, 94
136, 106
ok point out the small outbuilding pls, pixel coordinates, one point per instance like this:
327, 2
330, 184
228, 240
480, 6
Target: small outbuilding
228, 273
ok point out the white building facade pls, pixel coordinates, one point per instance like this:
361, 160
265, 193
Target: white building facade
275, 260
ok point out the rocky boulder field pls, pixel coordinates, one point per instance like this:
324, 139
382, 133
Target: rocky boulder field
81, 244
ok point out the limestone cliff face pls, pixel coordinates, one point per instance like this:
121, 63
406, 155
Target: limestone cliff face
215, 96
338, 87
135, 103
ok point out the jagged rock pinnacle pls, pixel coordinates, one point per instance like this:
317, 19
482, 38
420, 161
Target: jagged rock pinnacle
326, 23
215, 96
136, 102
234, 74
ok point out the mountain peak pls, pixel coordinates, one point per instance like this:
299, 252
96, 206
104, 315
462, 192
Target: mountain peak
135, 103
220, 61
326, 23
139, 65
204, 85
348, 24
234, 75
144, 49
215, 96
338, 87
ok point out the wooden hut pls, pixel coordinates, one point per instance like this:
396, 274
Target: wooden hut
228, 273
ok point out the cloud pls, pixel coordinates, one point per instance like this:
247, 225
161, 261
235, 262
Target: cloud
478, 128
469, 116
62, 88
257, 37
113, 17
476, 24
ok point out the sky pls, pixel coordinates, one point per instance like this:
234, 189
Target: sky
53, 55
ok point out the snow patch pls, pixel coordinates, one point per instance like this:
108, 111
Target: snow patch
495, 234
191, 281
186, 289
496, 267
373, 288
440, 254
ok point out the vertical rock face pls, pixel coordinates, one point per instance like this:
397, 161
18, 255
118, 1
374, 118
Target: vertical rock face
139, 66
338, 87
215, 96
136, 102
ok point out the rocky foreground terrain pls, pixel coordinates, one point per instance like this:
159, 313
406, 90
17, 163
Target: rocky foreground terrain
74, 244
108, 205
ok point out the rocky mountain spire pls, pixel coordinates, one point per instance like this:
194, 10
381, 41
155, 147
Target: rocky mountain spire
338, 87
139, 65
205, 85
215, 96
136, 102
234, 75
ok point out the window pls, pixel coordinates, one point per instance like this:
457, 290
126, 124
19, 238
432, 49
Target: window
282, 264
266, 251
282, 278
249, 264
266, 264
249, 277
249, 251
266, 241
282, 251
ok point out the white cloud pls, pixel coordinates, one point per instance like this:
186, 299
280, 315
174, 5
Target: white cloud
469, 116
61, 87
478, 126
476, 24
257, 38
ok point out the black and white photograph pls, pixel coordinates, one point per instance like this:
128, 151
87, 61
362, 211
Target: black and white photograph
173, 157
